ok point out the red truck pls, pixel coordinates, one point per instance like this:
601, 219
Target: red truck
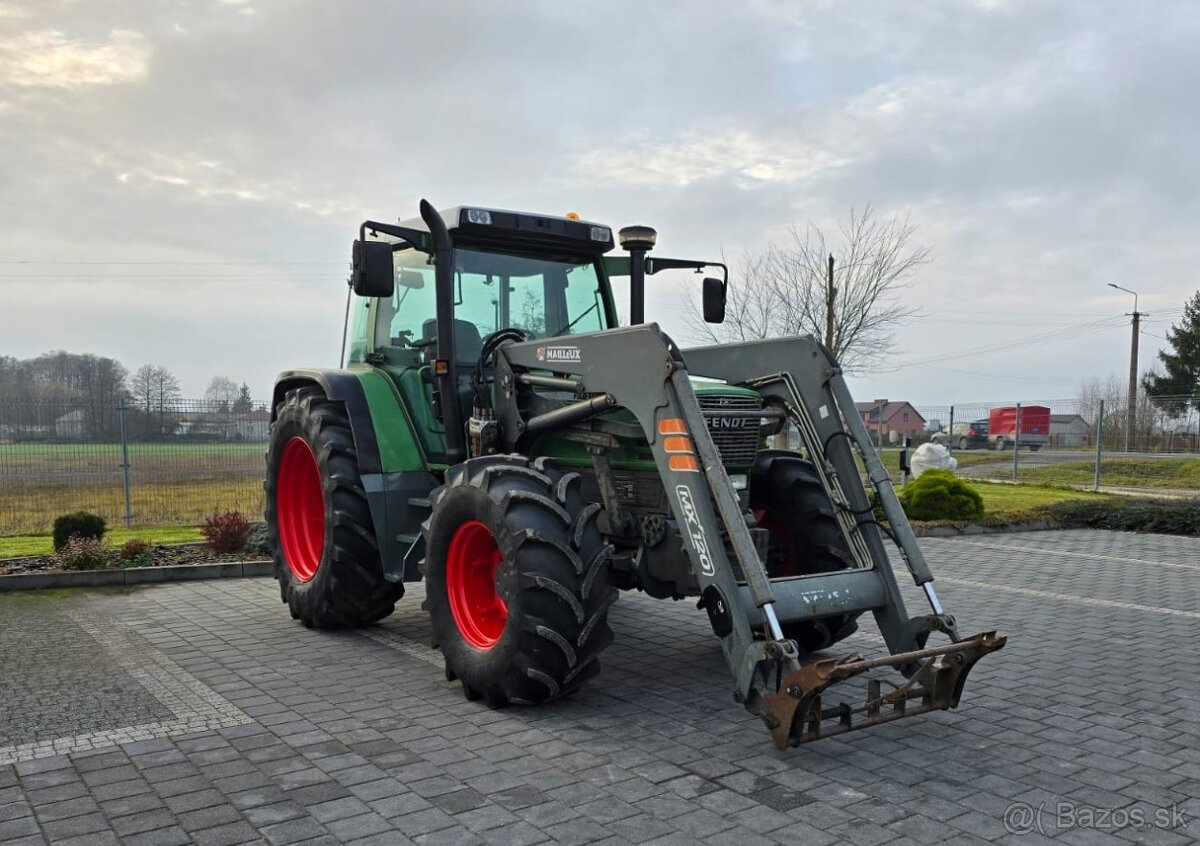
1035, 426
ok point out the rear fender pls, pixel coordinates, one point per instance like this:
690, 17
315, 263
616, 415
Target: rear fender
392, 466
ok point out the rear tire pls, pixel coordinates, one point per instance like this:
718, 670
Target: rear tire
963, 443
516, 580
319, 525
788, 499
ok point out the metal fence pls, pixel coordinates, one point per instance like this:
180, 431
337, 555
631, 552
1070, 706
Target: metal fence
1088, 443
170, 463
177, 462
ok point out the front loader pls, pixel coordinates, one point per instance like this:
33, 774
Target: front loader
494, 433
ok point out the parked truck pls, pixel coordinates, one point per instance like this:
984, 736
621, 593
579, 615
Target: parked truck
1032, 421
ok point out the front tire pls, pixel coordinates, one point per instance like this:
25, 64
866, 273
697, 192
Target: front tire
516, 580
788, 499
319, 525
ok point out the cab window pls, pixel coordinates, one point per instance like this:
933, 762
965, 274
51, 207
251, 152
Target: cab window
542, 295
400, 319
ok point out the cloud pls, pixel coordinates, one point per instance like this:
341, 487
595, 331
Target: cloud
50, 59
679, 163
1042, 150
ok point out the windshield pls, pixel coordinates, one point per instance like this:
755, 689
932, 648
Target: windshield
544, 296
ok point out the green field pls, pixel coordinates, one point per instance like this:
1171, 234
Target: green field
170, 484
181, 484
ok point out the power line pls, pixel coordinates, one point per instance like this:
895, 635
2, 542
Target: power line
172, 263
1060, 334
159, 277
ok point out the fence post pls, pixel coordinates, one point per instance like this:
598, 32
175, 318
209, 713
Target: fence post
125, 461
1016, 441
1099, 444
950, 431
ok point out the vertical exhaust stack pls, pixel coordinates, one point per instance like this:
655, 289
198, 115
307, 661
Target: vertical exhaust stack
638, 240
444, 367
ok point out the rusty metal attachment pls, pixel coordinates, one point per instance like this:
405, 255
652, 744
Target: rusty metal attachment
795, 715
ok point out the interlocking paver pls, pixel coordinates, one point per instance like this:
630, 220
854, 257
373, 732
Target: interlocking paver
289, 735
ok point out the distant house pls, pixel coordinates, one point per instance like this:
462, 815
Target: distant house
253, 426
1069, 430
226, 426
886, 417
69, 425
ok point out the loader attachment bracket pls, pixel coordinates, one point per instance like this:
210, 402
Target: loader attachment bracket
795, 714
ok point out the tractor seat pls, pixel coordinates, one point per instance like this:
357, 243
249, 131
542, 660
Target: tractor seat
467, 343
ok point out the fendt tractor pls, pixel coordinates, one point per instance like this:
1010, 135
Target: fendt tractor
495, 433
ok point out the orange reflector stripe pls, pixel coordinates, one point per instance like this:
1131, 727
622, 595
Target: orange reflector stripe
671, 426
684, 463
678, 443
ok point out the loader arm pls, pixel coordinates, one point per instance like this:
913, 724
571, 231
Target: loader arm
641, 370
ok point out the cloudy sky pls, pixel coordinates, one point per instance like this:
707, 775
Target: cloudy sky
180, 179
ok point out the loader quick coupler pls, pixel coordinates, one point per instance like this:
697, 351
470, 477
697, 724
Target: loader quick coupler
795, 714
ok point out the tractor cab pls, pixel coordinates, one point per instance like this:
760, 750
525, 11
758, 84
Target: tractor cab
508, 274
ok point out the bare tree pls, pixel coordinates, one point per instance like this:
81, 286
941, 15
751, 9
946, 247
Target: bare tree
155, 391
783, 289
1152, 416
1093, 391
221, 394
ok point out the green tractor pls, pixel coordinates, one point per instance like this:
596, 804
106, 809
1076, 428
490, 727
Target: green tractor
495, 433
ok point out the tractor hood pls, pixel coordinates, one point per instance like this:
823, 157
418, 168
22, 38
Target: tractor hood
738, 439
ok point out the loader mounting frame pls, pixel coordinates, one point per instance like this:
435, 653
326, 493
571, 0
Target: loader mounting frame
640, 369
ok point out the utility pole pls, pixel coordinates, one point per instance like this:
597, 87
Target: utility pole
1131, 413
830, 295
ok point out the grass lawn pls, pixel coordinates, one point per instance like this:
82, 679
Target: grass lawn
22, 545
1178, 473
969, 458
1000, 499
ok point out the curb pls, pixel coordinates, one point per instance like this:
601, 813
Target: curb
136, 575
955, 530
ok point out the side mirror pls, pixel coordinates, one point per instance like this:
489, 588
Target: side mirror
372, 274
412, 279
714, 300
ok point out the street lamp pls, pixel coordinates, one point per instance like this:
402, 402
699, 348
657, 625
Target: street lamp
1131, 413
1127, 291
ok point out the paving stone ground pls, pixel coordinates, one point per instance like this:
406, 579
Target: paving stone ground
201, 713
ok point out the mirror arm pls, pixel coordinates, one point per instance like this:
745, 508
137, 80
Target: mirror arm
654, 265
413, 237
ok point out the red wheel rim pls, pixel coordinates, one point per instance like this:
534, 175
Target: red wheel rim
471, 564
300, 509
780, 543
